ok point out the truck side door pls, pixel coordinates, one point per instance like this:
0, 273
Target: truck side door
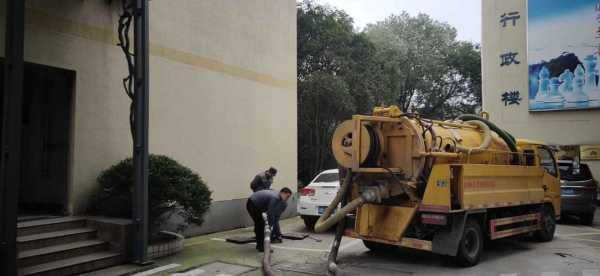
551, 179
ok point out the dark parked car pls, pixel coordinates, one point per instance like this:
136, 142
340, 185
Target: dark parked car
578, 191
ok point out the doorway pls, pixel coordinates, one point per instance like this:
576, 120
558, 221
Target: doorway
45, 139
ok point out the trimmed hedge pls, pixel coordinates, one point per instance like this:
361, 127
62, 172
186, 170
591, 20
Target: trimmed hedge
174, 188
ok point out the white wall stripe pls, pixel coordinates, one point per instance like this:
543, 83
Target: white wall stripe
590, 272
193, 272
156, 270
349, 244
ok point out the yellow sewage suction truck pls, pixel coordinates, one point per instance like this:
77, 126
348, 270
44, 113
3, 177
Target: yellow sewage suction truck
439, 186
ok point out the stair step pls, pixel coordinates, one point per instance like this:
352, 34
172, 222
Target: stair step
74, 265
40, 240
62, 251
48, 225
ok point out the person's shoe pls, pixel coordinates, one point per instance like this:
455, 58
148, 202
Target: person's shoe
277, 240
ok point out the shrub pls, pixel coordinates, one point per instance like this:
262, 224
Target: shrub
174, 188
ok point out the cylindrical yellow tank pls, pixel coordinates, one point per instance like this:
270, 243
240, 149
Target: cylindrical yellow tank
395, 152
394, 140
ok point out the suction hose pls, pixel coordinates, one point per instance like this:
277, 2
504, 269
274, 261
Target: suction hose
326, 220
508, 139
487, 139
266, 263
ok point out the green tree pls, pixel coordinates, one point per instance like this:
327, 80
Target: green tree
335, 80
414, 62
424, 68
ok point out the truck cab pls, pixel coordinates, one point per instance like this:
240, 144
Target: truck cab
539, 154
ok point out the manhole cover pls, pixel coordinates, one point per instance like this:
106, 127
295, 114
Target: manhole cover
217, 269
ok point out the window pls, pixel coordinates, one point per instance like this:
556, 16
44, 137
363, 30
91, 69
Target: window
529, 157
569, 173
327, 177
547, 161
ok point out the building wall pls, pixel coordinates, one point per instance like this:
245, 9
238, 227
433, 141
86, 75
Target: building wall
222, 89
555, 127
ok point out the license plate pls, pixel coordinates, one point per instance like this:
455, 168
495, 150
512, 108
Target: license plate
321, 209
568, 191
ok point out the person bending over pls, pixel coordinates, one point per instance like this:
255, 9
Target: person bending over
271, 202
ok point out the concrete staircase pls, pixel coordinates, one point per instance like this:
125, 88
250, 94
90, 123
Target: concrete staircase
62, 246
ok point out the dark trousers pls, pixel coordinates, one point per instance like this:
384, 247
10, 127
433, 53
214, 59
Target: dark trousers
259, 223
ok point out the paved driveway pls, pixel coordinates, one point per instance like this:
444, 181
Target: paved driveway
574, 251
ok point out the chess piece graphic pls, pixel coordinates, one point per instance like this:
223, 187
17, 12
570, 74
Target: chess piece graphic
554, 84
543, 85
566, 86
591, 74
578, 95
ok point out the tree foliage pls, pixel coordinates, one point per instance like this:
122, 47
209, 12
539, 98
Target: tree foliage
334, 81
414, 62
424, 68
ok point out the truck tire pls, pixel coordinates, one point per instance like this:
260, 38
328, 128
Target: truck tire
377, 247
310, 222
470, 247
587, 219
546, 234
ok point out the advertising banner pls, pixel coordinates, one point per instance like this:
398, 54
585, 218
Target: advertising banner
563, 54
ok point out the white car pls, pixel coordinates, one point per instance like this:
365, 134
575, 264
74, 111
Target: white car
315, 197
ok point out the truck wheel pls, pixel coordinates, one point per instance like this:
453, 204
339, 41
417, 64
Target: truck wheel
310, 222
378, 247
546, 234
471, 245
587, 219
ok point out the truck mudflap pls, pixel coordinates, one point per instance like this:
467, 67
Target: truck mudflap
446, 242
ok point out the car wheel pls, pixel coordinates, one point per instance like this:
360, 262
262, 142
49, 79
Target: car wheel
471, 245
378, 247
548, 222
587, 219
310, 222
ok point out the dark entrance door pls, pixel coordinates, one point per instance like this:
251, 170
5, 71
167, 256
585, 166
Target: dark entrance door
47, 102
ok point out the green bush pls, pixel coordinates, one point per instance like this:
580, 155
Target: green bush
174, 188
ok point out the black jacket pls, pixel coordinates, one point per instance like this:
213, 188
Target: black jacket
261, 182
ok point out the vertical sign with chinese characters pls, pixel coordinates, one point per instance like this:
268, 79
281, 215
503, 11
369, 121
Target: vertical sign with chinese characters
510, 58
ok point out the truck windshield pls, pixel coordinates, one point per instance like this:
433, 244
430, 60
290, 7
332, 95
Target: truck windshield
547, 161
327, 177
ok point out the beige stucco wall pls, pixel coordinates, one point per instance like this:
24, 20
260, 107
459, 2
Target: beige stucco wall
561, 127
222, 81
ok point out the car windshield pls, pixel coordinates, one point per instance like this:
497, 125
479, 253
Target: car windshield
327, 177
567, 172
